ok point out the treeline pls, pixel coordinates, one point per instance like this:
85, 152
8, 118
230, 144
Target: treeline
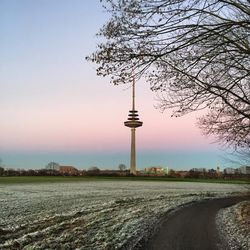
53, 172
28, 172
97, 172
213, 174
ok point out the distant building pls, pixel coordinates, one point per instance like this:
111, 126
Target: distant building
244, 170
230, 171
69, 170
156, 170
199, 170
181, 173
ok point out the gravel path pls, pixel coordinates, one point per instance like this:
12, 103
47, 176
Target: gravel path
192, 228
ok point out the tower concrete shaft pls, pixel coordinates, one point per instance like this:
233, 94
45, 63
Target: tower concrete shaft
133, 153
133, 122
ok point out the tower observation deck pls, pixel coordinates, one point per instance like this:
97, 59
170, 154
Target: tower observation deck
133, 122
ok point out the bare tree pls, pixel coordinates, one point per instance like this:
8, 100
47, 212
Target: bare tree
195, 54
122, 167
1, 163
239, 158
93, 171
53, 166
1, 167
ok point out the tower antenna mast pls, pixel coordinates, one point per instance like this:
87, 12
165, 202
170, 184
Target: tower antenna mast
133, 94
133, 122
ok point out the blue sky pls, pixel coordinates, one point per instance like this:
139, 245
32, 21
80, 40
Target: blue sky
55, 108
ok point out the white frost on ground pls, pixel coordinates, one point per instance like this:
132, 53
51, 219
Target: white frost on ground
93, 214
233, 228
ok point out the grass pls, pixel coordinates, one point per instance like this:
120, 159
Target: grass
56, 179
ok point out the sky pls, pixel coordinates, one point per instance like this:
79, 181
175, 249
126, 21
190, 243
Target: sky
53, 106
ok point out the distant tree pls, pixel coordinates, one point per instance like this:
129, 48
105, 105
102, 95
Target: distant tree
211, 173
1, 163
195, 54
53, 166
193, 174
11, 172
1, 167
1, 171
171, 173
31, 172
42, 172
94, 169
122, 167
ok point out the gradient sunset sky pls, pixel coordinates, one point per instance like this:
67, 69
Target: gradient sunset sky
55, 108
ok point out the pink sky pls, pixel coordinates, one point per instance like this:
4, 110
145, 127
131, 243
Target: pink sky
77, 119
51, 98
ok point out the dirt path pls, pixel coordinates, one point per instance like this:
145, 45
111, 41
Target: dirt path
191, 228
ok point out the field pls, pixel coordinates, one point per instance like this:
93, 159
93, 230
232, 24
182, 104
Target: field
53, 179
94, 213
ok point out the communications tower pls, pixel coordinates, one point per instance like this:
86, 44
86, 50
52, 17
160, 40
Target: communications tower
133, 122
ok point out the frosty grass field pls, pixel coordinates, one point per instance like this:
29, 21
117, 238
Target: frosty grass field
93, 214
